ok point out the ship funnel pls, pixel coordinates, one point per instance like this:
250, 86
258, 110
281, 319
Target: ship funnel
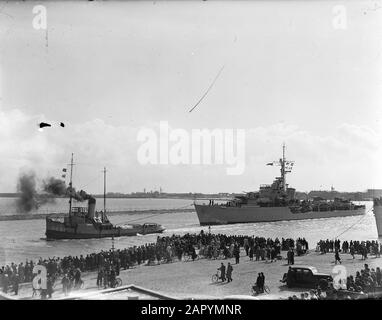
378, 215
91, 207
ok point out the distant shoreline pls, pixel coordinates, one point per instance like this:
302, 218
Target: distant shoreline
37, 216
329, 195
174, 197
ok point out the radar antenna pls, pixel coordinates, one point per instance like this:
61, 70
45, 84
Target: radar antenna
286, 167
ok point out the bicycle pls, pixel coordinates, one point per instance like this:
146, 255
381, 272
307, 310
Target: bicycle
117, 283
216, 277
256, 290
80, 285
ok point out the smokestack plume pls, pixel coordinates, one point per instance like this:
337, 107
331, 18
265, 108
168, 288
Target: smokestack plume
30, 198
26, 186
79, 195
55, 186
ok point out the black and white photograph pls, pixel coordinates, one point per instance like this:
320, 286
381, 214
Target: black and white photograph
204, 150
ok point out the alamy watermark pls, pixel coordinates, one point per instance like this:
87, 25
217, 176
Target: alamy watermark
339, 21
39, 20
196, 147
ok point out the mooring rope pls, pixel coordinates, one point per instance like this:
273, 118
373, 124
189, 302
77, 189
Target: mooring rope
354, 223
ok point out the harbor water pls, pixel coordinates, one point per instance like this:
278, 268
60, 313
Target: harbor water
25, 239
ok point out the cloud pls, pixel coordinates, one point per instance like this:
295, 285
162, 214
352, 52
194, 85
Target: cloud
348, 158
94, 143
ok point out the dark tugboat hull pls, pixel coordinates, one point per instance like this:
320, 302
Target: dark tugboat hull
58, 230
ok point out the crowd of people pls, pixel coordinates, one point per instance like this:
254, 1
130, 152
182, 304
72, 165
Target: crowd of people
166, 249
364, 248
108, 263
366, 282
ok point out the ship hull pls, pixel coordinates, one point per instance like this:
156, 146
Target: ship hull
214, 215
378, 215
57, 230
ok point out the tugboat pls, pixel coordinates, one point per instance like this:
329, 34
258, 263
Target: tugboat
85, 222
275, 202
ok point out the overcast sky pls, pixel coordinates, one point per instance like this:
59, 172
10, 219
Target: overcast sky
109, 69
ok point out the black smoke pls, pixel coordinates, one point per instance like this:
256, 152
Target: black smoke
26, 187
79, 195
54, 186
32, 195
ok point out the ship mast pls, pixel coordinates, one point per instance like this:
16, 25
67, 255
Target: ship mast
286, 167
104, 190
71, 185
283, 169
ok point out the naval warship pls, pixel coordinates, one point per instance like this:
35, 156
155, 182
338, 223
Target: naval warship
275, 202
85, 222
377, 209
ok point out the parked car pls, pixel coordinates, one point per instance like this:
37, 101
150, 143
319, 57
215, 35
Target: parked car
306, 277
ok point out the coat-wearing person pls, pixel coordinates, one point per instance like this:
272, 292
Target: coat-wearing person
99, 278
262, 281
229, 272
290, 255
352, 251
15, 284
337, 257
49, 287
258, 282
222, 271
5, 283
236, 253
251, 251
65, 284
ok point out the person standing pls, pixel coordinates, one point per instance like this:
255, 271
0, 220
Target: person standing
257, 251
251, 250
236, 253
258, 283
99, 278
5, 283
77, 278
15, 284
290, 277
222, 271
337, 257
246, 246
229, 272
291, 256
49, 287
65, 284
378, 276
262, 283
352, 250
